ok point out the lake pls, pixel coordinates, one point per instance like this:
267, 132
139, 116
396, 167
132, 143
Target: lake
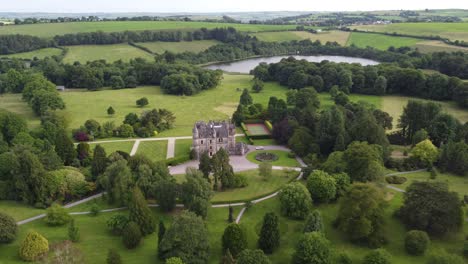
245, 66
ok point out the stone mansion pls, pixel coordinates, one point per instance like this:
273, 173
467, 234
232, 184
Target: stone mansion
212, 136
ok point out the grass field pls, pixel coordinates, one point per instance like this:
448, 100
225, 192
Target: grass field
53, 29
216, 104
394, 105
257, 187
437, 46
19, 211
339, 36
160, 47
283, 159
125, 146
40, 54
182, 147
155, 150
110, 53
453, 31
378, 41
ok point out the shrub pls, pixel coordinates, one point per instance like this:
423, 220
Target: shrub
442, 257
117, 223
314, 222
113, 257
295, 201
131, 235
174, 260
312, 248
33, 247
73, 232
394, 179
94, 210
416, 242
142, 102
8, 228
249, 256
377, 256
322, 186
240, 181
343, 258
56, 216
234, 239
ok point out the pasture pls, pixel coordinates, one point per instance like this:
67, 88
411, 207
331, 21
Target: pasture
160, 47
110, 53
378, 41
452, 31
339, 36
53, 29
437, 46
40, 54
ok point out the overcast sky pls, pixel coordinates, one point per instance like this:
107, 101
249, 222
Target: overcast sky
220, 5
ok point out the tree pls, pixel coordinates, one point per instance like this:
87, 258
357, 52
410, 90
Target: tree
454, 158
257, 85
33, 247
343, 182
43, 101
56, 215
228, 258
113, 257
174, 261
110, 111
131, 235
295, 201
425, 152
187, 238
322, 186
417, 115
419, 136
99, 162
380, 86
249, 256
312, 248
65, 148
431, 207
265, 170
117, 223
161, 231
269, 238
83, 152
314, 223
416, 242
117, 82
140, 213
73, 232
117, 181
222, 170
8, 229
142, 102
234, 239
442, 257
300, 142
378, 256
231, 216
165, 193
443, 128
205, 164
245, 98
361, 215
363, 161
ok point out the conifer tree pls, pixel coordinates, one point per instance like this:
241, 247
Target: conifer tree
245, 98
140, 213
314, 222
65, 148
73, 232
99, 163
234, 239
269, 235
205, 165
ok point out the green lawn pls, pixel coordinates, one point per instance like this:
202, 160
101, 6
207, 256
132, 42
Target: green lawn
453, 31
110, 53
155, 150
53, 29
111, 147
437, 46
14, 103
182, 147
160, 47
257, 187
40, 54
378, 41
18, 210
283, 159
333, 36
456, 183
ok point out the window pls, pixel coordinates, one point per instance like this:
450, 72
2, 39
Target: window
211, 154
202, 141
220, 140
211, 141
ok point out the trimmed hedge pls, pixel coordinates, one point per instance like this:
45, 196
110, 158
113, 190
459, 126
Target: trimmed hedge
395, 179
254, 121
261, 137
269, 126
177, 160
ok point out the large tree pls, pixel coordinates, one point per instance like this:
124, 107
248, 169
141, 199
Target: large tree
196, 192
187, 239
140, 213
322, 186
245, 98
222, 170
269, 239
295, 201
117, 181
99, 162
431, 207
65, 148
361, 215
234, 239
364, 162
313, 248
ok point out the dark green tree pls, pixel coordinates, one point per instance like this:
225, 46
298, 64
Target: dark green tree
295, 201
314, 222
364, 162
165, 192
113, 257
249, 256
313, 248
416, 242
65, 148
205, 165
257, 85
99, 161
245, 98
73, 232
131, 235
110, 111
378, 256
269, 239
140, 213
142, 102
322, 186
8, 228
234, 239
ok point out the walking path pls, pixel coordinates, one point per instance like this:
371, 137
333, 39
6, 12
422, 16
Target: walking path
170, 148
135, 147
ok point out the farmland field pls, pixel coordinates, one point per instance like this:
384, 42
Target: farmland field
40, 54
160, 47
53, 29
110, 53
339, 36
437, 46
378, 41
453, 31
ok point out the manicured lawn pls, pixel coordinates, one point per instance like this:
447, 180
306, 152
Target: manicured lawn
283, 159
40, 54
160, 47
257, 187
155, 150
53, 29
456, 183
452, 31
394, 104
125, 146
339, 36
378, 41
182, 147
18, 210
110, 53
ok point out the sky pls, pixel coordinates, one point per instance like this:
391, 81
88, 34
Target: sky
83, 6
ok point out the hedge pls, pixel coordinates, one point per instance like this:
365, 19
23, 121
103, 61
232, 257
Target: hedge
254, 121
269, 125
260, 137
177, 160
